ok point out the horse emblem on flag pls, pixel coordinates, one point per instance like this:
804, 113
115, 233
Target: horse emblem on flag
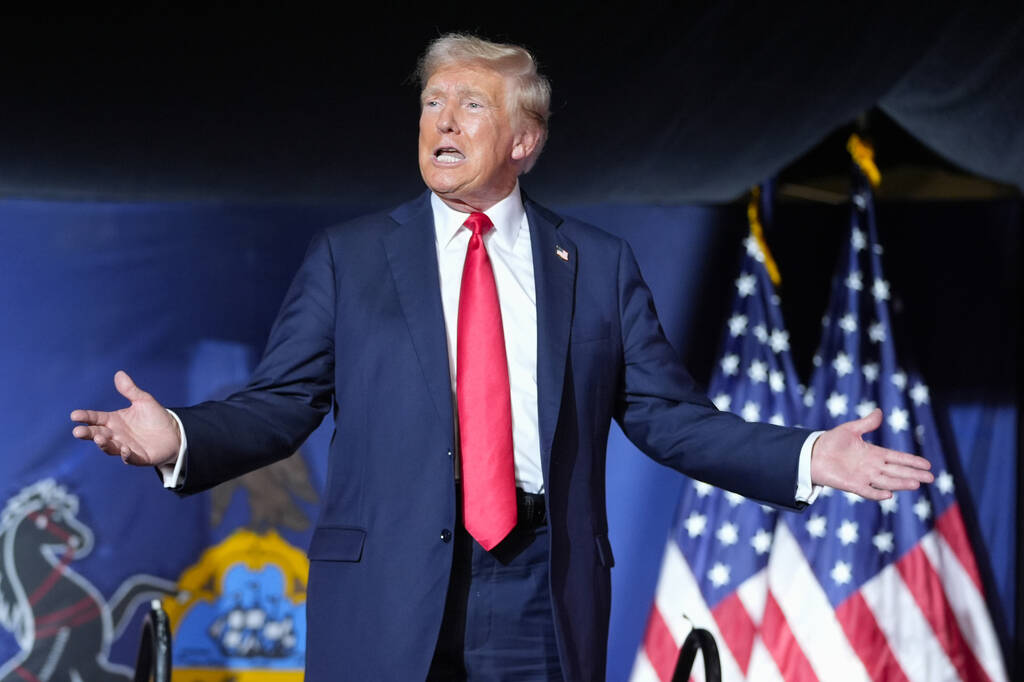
63, 625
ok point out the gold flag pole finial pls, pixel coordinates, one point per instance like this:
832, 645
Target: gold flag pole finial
864, 156
757, 232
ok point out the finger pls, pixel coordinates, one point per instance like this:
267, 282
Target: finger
90, 416
107, 443
866, 424
906, 459
91, 432
875, 494
126, 387
908, 473
886, 482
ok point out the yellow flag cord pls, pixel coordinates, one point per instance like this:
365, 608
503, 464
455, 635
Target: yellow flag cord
757, 232
864, 156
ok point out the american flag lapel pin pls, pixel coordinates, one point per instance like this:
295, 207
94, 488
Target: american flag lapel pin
561, 253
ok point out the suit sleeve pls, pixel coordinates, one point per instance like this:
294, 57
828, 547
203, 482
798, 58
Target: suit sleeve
291, 389
663, 411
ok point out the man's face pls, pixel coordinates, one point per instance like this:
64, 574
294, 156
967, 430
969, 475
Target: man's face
469, 151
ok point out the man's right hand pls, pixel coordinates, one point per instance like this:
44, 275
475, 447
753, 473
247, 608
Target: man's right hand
143, 434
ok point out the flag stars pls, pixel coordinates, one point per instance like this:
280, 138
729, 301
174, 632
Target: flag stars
746, 285
751, 412
761, 333
899, 379
777, 381
880, 290
865, 407
758, 371
876, 332
889, 506
754, 249
922, 509
762, 541
737, 325
847, 532
809, 398
842, 364
898, 420
695, 524
855, 281
779, 340
719, 574
883, 542
703, 489
858, 240
816, 526
870, 371
919, 394
841, 573
837, 404
848, 323
728, 534
733, 498
944, 483
919, 434
777, 420
723, 401
730, 364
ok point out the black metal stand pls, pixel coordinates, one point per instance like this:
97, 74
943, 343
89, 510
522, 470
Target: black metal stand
153, 664
702, 641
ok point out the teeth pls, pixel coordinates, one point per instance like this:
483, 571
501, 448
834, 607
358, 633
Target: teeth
448, 158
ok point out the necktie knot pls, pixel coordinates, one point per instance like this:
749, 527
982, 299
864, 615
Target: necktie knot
478, 223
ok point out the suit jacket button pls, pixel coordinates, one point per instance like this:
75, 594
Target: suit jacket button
449, 453
446, 535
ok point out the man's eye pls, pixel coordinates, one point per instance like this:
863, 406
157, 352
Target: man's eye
474, 105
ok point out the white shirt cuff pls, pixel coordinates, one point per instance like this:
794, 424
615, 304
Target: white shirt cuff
172, 472
805, 490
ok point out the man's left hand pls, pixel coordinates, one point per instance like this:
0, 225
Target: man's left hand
842, 459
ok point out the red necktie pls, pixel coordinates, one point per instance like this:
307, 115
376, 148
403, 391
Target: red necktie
484, 400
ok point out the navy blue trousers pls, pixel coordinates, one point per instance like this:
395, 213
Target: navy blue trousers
498, 623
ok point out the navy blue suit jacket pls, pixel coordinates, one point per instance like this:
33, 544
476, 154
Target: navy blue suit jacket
361, 332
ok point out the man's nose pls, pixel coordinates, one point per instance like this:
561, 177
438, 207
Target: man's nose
447, 121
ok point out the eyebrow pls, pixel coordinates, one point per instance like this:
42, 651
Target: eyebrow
462, 91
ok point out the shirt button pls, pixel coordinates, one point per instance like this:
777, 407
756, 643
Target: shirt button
446, 535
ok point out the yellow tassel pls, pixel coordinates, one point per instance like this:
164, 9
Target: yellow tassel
864, 156
757, 232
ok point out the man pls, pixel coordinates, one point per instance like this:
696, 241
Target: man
535, 331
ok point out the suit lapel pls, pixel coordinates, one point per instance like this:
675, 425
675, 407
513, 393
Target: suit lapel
554, 272
412, 254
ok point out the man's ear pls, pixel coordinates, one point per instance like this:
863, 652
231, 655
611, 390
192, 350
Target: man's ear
525, 142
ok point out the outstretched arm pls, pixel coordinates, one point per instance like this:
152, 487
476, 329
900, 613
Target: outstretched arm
842, 459
143, 434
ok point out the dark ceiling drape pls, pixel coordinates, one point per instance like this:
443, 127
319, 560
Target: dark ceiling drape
685, 104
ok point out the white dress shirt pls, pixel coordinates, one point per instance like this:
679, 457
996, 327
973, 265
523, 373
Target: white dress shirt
508, 247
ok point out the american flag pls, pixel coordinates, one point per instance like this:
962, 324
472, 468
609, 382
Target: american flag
715, 565
850, 589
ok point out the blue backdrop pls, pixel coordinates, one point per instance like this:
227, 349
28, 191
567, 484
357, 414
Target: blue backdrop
182, 295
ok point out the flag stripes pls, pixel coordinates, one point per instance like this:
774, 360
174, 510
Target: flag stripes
851, 590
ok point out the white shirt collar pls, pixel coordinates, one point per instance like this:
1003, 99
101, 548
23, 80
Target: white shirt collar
507, 216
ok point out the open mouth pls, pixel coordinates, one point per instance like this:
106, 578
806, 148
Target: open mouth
448, 155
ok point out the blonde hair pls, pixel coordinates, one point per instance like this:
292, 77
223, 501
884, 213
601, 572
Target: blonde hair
531, 92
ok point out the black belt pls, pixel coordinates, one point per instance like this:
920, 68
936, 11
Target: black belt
530, 510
